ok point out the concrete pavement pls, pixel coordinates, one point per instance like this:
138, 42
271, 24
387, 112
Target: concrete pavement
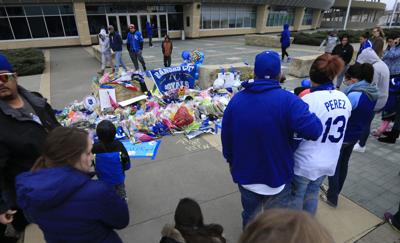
196, 168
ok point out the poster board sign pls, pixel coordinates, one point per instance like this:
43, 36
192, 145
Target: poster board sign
142, 150
171, 78
104, 97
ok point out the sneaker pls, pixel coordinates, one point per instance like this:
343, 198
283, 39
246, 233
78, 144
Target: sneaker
324, 198
358, 148
388, 217
324, 188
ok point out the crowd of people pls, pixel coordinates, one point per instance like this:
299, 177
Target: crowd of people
112, 40
291, 144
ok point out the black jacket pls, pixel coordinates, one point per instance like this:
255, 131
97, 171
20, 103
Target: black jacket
21, 139
345, 52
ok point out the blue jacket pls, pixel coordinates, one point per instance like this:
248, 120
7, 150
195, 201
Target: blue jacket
258, 129
69, 207
285, 36
149, 29
109, 168
115, 41
363, 97
135, 41
366, 44
392, 59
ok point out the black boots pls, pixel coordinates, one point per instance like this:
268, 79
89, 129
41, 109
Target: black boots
391, 137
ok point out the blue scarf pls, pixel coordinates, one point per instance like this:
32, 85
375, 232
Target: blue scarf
327, 86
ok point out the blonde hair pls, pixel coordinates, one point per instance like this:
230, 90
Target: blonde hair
284, 225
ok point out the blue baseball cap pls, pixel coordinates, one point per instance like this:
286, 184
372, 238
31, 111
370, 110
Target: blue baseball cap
5, 64
267, 65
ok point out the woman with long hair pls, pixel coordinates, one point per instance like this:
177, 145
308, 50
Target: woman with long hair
59, 195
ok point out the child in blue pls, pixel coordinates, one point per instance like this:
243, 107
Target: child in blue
111, 158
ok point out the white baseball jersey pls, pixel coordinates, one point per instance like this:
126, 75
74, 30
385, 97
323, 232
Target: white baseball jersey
314, 159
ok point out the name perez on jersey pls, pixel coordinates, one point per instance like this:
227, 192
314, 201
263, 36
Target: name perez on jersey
335, 104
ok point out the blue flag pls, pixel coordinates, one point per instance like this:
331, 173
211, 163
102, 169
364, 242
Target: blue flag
171, 78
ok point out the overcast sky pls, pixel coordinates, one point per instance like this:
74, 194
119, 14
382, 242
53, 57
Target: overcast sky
389, 3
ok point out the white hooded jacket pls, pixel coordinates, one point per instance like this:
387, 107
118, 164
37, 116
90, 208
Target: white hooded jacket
104, 42
381, 75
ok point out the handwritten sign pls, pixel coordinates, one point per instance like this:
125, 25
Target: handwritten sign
142, 150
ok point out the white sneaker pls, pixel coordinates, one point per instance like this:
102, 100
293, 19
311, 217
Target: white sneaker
358, 148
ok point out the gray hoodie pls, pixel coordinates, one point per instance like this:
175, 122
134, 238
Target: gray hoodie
104, 42
381, 75
331, 42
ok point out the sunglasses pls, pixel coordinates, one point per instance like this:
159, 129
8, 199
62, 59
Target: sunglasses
5, 77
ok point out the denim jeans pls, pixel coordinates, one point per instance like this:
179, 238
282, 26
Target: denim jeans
305, 193
118, 61
336, 181
254, 203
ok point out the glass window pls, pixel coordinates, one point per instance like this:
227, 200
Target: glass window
66, 9
95, 9
15, 11
96, 23
239, 19
54, 26
215, 18
279, 16
2, 12
69, 25
247, 19
50, 10
20, 28
232, 17
5, 30
175, 21
308, 16
38, 28
224, 18
206, 16
253, 20
33, 10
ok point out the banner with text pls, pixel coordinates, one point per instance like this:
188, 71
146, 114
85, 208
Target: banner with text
171, 78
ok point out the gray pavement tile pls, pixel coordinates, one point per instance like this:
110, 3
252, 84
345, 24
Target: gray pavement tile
383, 233
189, 175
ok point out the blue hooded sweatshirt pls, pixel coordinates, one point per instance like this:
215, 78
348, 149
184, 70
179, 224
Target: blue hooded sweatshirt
69, 207
363, 97
149, 29
135, 41
285, 36
258, 129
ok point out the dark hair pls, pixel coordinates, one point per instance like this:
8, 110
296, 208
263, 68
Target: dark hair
390, 37
359, 71
345, 36
365, 35
106, 131
189, 221
284, 225
63, 146
325, 68
167, 37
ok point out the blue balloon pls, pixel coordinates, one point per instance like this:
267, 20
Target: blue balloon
306, 83
186, 55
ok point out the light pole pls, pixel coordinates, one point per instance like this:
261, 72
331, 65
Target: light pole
347, 15
394, 10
